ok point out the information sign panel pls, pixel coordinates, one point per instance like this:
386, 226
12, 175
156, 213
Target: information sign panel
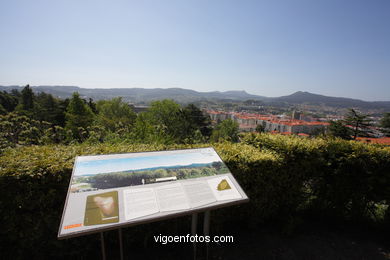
117, 190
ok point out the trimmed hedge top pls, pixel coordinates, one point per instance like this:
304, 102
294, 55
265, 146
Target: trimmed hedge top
36, 161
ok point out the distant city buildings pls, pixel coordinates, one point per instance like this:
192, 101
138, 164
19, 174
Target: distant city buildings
270, 123
139, 109
381, 140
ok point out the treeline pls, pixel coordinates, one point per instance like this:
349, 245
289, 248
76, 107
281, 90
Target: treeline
356, 124
27, 118
122, 179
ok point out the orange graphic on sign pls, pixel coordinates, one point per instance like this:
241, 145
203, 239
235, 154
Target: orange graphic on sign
72, 226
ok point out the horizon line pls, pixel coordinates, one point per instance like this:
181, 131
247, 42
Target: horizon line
166, 88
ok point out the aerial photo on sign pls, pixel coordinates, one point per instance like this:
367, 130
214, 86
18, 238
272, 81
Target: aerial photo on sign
110, 173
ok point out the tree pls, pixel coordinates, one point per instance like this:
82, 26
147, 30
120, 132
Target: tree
167, 119
115, 115
338, 129
226, 130
197, 121
260, 128
18, 129
359, 123
166, 122
2, 110
47, 108
8, 101
27, 101
78, 117
385, 123
61, 117
92, 105
143, 129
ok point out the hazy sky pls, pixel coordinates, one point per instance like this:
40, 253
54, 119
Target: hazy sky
270, 48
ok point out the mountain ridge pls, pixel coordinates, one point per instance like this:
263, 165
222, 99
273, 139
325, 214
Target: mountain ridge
136, 95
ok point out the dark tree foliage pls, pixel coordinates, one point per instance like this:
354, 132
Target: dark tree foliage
92, 105
359, 122
2, 110
338, 129
47, 108
197, 120
260, 128
385, 124
8, 101
16, 93
27, 100
78, 117
63, 105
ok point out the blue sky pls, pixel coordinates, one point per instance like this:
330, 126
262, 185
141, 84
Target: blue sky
270, 48
94, 166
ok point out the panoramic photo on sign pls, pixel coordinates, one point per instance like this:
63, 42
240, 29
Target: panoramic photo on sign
110, 191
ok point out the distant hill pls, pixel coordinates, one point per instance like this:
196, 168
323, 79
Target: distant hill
137, 95
301, 97
140, 94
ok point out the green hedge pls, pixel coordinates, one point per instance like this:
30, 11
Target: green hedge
281, 175
34, 182
342, 178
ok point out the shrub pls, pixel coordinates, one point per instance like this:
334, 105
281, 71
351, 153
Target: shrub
342, 178
281, 175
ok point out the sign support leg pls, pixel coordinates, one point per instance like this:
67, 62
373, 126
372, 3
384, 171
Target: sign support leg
120, 243
206, 230
102, 246
194, 224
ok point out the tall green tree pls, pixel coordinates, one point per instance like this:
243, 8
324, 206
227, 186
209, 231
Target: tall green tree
8, 101
165, 121
196, 120
63, 105
385, 124
226, 130
115, 115
359, 123
78, 117
145, 131
27, 101
167, 118
47, 108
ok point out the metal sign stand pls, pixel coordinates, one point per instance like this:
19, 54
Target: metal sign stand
120, 243
104, 248
194, 224
206, 230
